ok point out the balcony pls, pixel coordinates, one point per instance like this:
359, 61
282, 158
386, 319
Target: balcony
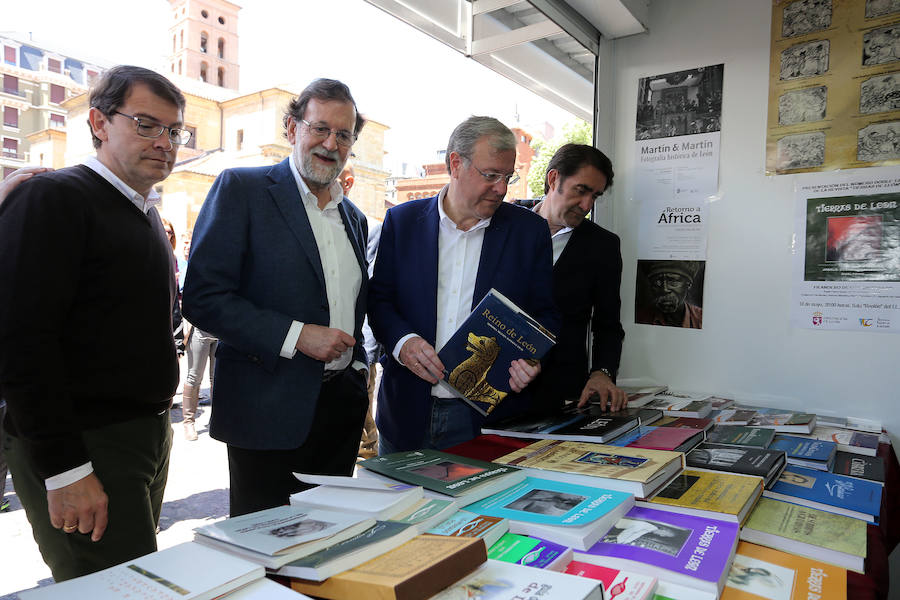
13, 92
12, 154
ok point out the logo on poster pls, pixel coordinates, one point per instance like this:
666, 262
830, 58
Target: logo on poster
865, 322
817, 318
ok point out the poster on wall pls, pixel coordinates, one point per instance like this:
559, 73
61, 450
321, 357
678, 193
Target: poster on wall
834, 85
847, 251
669, 293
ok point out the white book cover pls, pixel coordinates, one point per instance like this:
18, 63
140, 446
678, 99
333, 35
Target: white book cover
380, 504
265, 589
276, 530
187, 571
500, 580
354, 482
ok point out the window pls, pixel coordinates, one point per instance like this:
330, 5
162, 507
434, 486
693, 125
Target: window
192, 143
204, 14
57, 121
221, 77
11, 84
203, 68
10, 116
179, 67
181, 37
240, 139
92, 75
57, 93
7, 171
54, 65
221, 47
9, 55
221, 20
174, 39
10, 148
203, 40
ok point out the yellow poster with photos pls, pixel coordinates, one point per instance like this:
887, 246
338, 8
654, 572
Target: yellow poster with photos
834, 85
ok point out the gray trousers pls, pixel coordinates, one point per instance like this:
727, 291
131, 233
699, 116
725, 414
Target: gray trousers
200, 346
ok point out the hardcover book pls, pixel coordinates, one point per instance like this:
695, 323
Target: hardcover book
707, 494
374, 541
829, 492
870, 468
531, 551
418, 569
275, 536
739, 435
170, 574
532, 426
444, 473
848, 440
499, 580
621, 585
782, 421
468, 524
686, 550
637, 471
804, 452
760, 573
815, 534
738, 459
565, 513
677, 439
476, 358
597, 428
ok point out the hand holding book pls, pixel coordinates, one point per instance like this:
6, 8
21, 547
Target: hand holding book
600, 389
522, 372
420, 357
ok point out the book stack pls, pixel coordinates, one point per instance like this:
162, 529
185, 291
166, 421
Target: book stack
764, 463
621, 585
499, 579
680, 404
741, 435
711, 495
829, 492
531, 551
760, 573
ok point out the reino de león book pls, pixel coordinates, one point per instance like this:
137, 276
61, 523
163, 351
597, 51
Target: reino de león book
476, 358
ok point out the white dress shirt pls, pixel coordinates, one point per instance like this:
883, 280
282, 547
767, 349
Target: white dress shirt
558, 239
459, 254
144, 205
343, 275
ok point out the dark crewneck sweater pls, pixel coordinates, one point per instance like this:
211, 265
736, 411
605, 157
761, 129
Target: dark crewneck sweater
86, 292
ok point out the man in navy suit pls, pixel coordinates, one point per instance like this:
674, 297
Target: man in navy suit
437, 259
277, 273
587, 272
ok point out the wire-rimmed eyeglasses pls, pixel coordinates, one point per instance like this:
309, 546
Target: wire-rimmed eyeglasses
344, 138
493, 178
148, 128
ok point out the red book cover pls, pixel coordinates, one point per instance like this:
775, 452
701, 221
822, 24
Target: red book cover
618, 585
690, 423
667, 438
488, 447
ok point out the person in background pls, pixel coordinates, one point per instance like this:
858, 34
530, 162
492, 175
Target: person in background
587, 273
177, 321
88, 432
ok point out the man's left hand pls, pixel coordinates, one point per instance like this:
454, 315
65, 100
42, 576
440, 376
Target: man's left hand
521, 373
601, 386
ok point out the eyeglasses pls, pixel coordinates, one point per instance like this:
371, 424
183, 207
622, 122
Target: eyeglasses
493, 178
147, 128
344, 138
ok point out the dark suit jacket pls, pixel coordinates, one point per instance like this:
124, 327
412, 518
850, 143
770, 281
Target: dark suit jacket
586, 281
254, 268
516, 259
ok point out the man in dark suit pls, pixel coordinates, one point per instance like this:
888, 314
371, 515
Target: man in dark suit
587, 272
437, 259
277, 272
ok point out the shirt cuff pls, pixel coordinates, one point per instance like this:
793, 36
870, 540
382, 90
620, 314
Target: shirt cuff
399, 345
360, 366
289, 347
68, 477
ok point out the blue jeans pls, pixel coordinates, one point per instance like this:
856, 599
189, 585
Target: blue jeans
450, 424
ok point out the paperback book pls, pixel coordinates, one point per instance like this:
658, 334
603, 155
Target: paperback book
637, 471
815, 534
760, 573
733, 416
632, 436
447, 474
621, 585
677, 439
531, 551
740, 435
349, 553
782, 421
856, 423
500, 580
572, 424
378, 504
170, 574
719, 404
764, 463
708, 494
418, 569
674, 404
829, 492
848, 440
532, 426
803, 452
276, 536
426, 513
869, 468
565, 513
468, 524
686, 423
686, 550
476, 358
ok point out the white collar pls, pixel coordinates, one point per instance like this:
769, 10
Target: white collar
337, 193
144, 204
445, 219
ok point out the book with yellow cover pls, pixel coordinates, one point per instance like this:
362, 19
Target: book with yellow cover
723, 496
637, 471
760, 573
420, 568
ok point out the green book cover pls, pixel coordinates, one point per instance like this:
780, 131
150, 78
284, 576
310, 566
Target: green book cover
424, 512
810, 526
741, 435
440, 472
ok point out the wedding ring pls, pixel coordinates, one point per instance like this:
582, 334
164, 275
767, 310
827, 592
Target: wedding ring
69, 528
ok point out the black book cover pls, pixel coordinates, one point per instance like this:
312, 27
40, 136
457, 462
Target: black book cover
859, 465
736, 459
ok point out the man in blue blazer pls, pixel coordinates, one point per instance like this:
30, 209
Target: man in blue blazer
277, 272
437, 259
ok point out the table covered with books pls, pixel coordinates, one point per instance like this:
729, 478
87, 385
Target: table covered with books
881, 538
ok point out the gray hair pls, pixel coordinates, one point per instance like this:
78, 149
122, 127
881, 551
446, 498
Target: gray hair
467, 134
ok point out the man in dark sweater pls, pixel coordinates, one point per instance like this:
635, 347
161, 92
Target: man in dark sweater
84, 262
587, 272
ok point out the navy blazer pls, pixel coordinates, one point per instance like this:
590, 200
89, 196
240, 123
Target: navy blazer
516, 259
254, 268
